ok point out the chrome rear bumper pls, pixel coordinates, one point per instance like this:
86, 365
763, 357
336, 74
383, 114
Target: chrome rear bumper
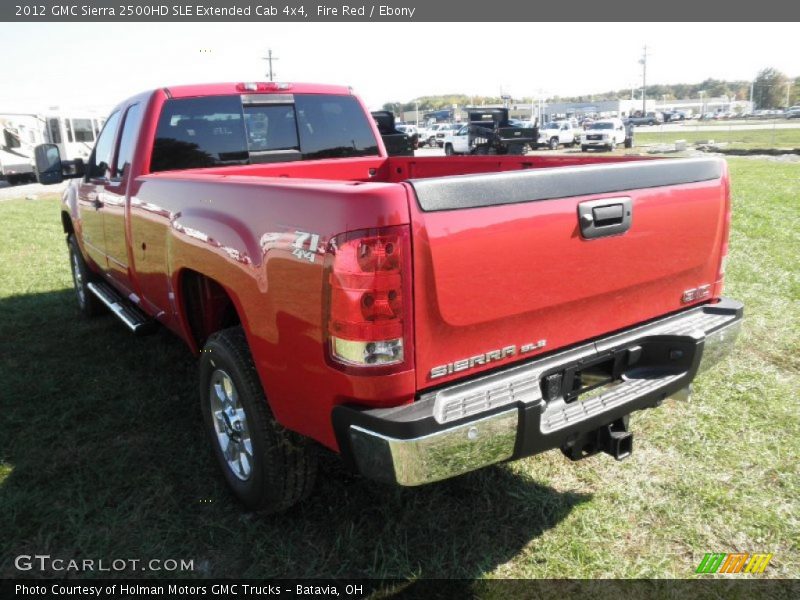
505, 415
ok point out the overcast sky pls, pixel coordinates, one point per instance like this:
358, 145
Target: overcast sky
96, 65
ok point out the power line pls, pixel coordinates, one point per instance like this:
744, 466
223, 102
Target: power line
269, 58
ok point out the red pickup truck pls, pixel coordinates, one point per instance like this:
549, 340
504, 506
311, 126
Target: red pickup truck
421, 316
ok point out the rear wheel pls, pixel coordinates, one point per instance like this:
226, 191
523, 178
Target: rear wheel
584, 148
268, 467
88, 303
553, 144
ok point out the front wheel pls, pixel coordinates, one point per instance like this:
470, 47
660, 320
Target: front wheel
613, 145
88, 303
448, 150
268, 467
584, 148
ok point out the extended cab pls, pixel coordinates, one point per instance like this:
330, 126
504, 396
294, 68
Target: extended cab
423, 317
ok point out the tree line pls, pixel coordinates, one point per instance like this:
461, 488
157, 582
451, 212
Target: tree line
771, 89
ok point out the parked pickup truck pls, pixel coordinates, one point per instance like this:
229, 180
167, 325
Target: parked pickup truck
557, 133
605, 134
650, 118
395, 140
423, 317
489, 131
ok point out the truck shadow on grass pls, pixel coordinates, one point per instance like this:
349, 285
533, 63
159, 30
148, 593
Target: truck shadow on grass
103, 455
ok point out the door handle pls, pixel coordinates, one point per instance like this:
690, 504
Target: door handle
608, 216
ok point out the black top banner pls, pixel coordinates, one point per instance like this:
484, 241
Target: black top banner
399, 11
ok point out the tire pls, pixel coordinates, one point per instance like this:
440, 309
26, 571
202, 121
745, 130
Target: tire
553, 143
268, 467
448, 150
88, 303
584, 148
612, 146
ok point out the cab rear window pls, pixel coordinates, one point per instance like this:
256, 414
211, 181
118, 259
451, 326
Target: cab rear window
236, 130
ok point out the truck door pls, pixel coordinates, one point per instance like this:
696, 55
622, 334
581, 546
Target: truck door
92, 191
564, 135
114, 203
461, 141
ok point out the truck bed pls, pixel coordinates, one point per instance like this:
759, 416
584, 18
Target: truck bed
499, 258
396, 169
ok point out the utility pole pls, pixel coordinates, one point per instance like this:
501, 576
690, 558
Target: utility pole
643, 62
269, 58
752, 84
788, 88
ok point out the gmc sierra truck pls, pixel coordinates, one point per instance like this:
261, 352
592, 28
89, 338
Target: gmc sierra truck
423, 317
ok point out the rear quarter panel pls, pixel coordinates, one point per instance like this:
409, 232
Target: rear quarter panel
240, 231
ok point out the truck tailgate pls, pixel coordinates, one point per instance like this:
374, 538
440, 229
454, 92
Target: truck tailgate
505, 265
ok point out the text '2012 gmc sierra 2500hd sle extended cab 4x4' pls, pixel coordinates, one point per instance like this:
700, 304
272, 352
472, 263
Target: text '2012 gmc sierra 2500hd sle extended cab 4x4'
423, 317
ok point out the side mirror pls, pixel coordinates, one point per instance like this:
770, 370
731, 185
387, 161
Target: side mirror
51, 169
48, 164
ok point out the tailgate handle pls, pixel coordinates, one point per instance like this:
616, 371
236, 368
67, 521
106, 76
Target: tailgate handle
608, 216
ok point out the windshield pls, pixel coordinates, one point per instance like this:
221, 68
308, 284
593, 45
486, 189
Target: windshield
601, 126
237, 130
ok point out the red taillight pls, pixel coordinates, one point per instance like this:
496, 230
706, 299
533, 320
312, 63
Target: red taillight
368, 280
255, 86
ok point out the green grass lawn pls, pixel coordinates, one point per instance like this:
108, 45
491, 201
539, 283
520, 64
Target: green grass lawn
102, 453
745, 139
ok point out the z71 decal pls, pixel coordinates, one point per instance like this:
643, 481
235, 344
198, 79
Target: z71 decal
301, 238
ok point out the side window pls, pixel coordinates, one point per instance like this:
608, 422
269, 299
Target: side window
11, 138
83, 130
55, 130
127, 143
333, 126
200, 132
100, 161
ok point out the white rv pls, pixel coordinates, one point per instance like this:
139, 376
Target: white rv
20, 133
